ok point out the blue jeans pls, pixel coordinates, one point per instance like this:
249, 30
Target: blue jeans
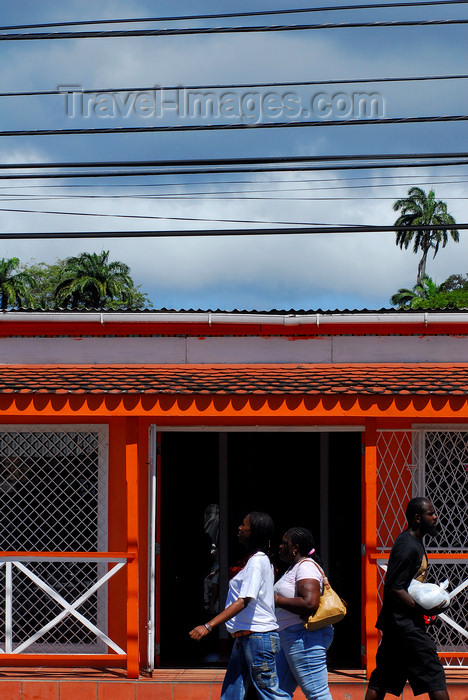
253, 661
303, 661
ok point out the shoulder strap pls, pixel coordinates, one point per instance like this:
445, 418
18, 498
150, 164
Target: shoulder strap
326, 582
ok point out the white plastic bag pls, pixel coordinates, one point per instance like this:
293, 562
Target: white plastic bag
429, 595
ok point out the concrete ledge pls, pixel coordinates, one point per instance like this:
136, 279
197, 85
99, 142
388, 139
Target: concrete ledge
168, 684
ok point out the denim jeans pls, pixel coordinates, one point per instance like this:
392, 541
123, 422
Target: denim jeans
253, 661
303, 661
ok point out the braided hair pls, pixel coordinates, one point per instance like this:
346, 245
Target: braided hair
304, 540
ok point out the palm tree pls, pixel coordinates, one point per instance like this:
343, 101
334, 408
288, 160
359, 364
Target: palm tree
421, 209
411, 298
14, 287
91, 281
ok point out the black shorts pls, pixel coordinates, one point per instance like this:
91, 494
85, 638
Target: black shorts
409, 656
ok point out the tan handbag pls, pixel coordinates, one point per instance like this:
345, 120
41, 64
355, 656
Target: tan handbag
331, 608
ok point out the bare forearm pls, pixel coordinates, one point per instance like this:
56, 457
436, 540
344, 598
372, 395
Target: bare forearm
231, 611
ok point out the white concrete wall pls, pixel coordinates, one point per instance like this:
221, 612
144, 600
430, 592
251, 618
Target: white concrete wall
180, 350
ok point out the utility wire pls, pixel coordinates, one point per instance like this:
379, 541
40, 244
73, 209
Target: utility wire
189, 198
218, 171
253, 182
255, 160
322, 229
246, 190
243, 194
235, 126
77, 90
178, 18
113, 33
165, 218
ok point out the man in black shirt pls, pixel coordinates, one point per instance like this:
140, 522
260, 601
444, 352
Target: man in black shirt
406, 653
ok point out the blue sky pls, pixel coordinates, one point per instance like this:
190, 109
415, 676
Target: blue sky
302, 272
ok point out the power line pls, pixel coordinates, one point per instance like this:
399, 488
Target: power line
188, 198
113, 33
216, 195
269, 181
235, 126
76, 90
257, 13
254, 160
164, 218
218, 171
246, 190
300, 230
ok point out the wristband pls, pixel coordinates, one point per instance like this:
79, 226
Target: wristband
208, 627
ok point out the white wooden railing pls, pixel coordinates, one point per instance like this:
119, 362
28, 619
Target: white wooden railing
458, 655
16, 640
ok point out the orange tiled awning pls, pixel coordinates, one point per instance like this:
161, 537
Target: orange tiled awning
374, 379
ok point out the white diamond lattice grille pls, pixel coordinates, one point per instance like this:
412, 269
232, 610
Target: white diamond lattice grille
446, 484
53, 497
394, 484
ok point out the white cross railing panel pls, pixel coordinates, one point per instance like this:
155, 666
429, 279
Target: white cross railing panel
66, 623
450, 632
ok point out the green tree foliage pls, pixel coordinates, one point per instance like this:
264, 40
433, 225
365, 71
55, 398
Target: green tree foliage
420, 209
410, 298
455, 282
85, 281
427, 295
45, 280
15, 287
89, 280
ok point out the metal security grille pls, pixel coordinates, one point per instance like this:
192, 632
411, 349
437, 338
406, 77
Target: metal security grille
395, 485
431, 461
53, 498
445, 478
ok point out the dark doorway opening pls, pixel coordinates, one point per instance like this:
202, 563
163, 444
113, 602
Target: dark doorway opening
280, 473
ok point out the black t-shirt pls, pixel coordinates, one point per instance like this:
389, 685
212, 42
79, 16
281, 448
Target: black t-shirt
405, 561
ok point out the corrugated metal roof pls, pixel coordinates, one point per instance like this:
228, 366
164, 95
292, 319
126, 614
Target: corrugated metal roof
280, 312
284, 312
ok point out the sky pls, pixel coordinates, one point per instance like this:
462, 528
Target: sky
288, 271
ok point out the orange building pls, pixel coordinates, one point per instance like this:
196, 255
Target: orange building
132, 444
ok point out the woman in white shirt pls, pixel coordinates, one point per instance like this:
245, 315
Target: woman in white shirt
250, 617
302, 660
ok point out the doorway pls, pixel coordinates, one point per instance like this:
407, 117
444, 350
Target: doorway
209, 482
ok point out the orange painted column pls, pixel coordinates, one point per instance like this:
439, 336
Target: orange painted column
158, 552
370, 543
131, 471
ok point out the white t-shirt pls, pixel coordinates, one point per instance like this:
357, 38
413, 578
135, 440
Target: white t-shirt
254, 581
286, 587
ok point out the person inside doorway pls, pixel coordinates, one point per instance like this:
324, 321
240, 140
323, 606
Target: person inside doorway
250, 617
406, 652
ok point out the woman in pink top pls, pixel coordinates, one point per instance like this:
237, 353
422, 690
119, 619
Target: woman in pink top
303, 657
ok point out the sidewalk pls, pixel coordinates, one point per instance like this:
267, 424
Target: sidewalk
167, 684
